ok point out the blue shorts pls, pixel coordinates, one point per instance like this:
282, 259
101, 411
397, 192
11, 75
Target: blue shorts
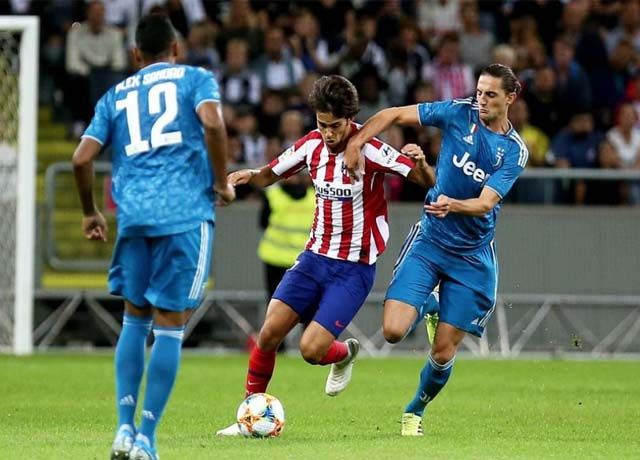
327, 291
468, 283
167, 272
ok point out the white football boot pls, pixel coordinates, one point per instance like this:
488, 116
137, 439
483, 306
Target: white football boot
231, 430
340, 373
123, 443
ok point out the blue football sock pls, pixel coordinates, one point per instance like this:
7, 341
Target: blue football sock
161, 375
129, 364
433, 377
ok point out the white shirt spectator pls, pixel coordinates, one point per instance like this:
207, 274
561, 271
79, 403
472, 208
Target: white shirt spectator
627, 150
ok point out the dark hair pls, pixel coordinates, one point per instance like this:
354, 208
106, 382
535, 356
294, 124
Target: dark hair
336, 95
154, 35
510, 82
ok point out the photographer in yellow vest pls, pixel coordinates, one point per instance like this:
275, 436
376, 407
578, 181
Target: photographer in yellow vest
286, 216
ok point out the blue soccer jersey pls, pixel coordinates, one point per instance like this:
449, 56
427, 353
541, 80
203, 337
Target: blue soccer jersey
471, 157
162, 179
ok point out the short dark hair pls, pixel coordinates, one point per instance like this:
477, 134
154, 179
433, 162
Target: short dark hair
336, 95
154, 35
510, 82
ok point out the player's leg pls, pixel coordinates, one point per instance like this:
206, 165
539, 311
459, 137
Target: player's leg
467, 299
345, 290
179, 270
278, 322
407, 298
295, 295
129, 277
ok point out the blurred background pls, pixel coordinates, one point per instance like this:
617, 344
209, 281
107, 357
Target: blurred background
567, 237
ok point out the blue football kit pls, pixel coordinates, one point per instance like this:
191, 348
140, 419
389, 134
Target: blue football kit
459, 250
162, 184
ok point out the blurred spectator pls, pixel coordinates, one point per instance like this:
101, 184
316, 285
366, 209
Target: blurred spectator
402, 76
372, 92
437, 18
417, 55
476, 43
572, 84
625, 137
607, 192
542, 100
505, 54
201, 51
530, 190
241, 22
291, 128
277, 68
388, 22
272, 106
624, 64
238, 84
628, 27
307, 44
537, 142
333, 17
253, 144
451, 78
576, 146
360, 50
95, 61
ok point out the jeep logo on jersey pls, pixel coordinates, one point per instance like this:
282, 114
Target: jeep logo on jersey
330, 191
469, 168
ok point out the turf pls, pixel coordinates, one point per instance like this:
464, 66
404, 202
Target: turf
61, 406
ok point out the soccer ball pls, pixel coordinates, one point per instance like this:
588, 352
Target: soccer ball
261, 416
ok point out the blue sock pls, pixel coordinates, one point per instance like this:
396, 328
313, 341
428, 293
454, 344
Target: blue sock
433, 377
129, 364
161, 375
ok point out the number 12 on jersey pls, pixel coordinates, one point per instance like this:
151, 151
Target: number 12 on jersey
158, 138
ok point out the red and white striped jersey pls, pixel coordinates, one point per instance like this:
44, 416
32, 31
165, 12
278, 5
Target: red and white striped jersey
350, 221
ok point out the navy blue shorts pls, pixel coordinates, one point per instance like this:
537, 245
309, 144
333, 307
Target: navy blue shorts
168, 272
327, 291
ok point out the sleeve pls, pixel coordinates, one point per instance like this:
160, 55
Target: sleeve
206, 88
385, 159
514, 162
436, 113
100, 127
292, 160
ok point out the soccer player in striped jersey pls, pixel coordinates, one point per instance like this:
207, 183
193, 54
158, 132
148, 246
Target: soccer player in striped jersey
480, 159
169, 144
331, 279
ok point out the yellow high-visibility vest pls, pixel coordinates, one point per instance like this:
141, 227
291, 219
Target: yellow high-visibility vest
289, 225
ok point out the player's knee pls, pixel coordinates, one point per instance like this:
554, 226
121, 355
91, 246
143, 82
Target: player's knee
393, 333
269, 338
312, 353
443, 354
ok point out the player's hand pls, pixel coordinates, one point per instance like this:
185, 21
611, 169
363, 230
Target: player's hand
414, 152
225, 195
439, 208
241, 177
354, 161
94, 227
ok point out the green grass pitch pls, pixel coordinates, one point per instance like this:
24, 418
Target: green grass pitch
61, 406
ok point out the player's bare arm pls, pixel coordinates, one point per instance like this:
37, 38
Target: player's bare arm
262, 177
215, 136
421, 174
471, 207
94, 226
354, 162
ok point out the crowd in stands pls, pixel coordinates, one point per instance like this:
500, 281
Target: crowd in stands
578, 61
